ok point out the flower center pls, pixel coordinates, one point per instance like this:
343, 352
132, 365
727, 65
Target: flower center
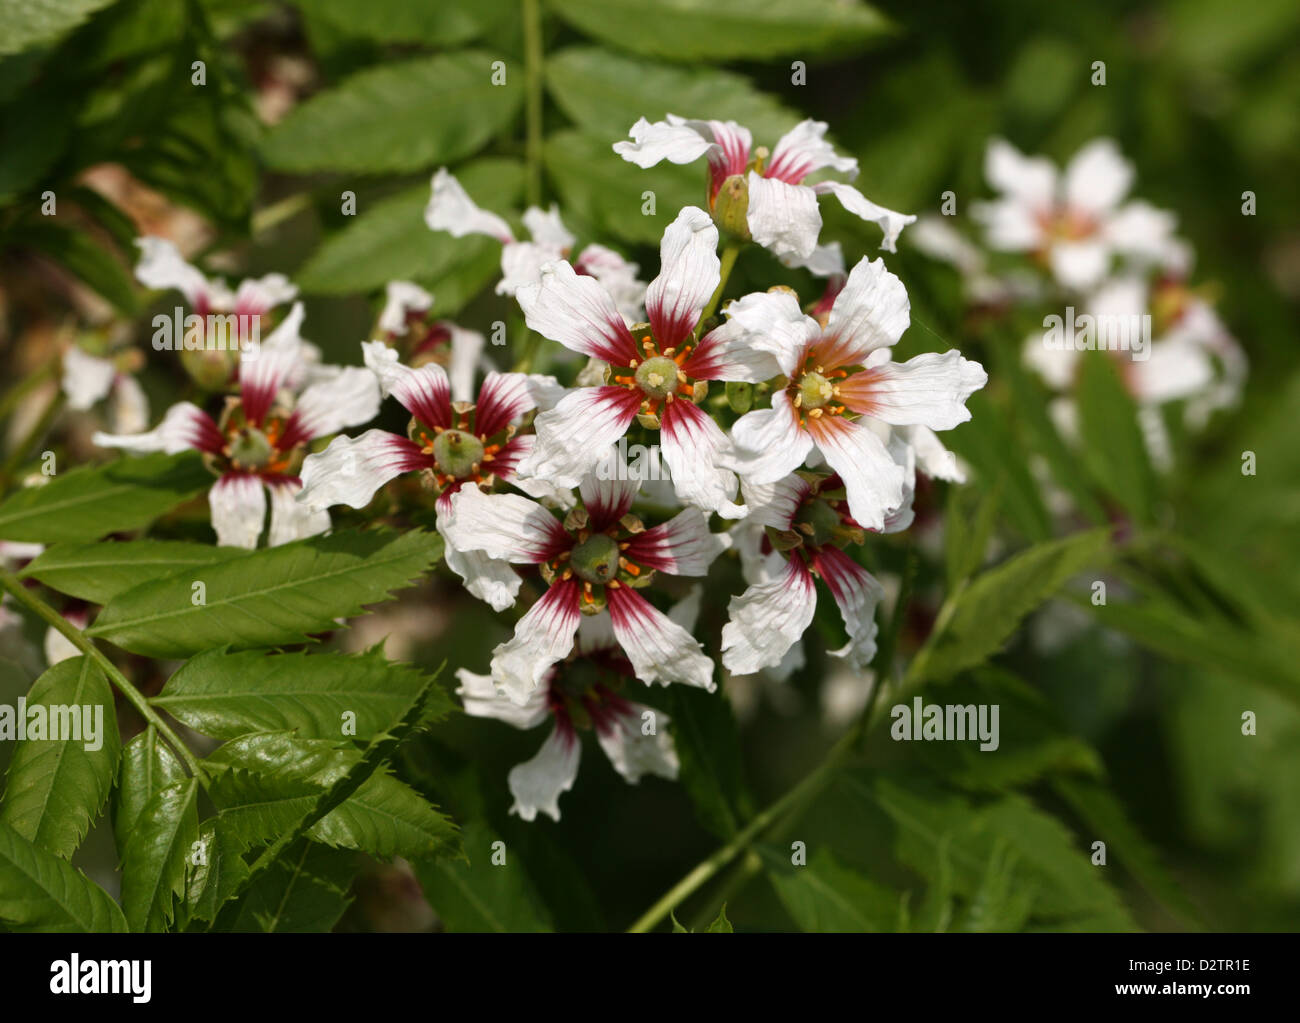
595, 560
657, 377
818, 521
250, 448
815, 391
457, 452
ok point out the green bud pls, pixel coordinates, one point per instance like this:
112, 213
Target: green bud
740, 396
211, 369
731, 208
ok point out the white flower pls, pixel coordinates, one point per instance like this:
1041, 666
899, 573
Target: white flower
634, 737
835, 388
451, 209
1073, 221
161, 267
655, 370
768, 619
782, 213
88, 379
406, 324
261, 436
593, 562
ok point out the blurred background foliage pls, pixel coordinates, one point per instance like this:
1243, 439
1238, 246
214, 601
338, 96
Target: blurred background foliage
1119, 723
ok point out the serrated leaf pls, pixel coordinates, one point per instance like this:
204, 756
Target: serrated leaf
30, 23
40, 892
475, 895
215, 876
306, 892
390, 241
88, 503
987, 612
268, 781
404, 116
157, 850
147, 767
55, 788
84, 257
446, 23
606, 191
606, 92
823, 896
269, 597
717, 30
97, 572
226, 695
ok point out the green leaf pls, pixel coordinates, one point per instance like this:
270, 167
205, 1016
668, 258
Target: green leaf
390, 241
226, 695
824, 896
1114, 449
721, 925
34, 133
40, 892
87, 503
97, 572
33, 22
477, 895
55, 787
401, 117
269, 781
708, 745
147, 767
304, 893
218, 874
606, 92
87, 259
446, 23
987, 612
157, 851
604, 190
268, 597
717, 30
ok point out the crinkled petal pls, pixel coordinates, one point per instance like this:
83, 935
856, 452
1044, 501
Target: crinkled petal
573, 436
768, 443
425, 392
351, 469
660, 650
542, 637
927, 390
481, 699
635, 753
277, 363
548, 229
681, 546
185, 427
890, 222
537, 784
783, 218
466, 359
86, 378
237, 502
504, 397
504, 526
521, 265
608, 496
1031, 180
349, 399
857, 593
451, 209
161, 267
401, 298
259, 295
675, 140
872, 311
578, 313
767, 619
689, 275
618, 277
873, 480
804, 149
292, 519
692, 443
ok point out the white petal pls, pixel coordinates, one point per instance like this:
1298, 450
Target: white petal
825, 261
292, 519
675, 141
1030, 180
926, 390
401, 299
279, 362
480, 698
608, 495
425, 391
504, 526
578, 313
538, 783
890, 222
857, 593
871, 312
804, 149
161, 267
238, 506
681, 546
1097, 177
490, 579
782, 218
573, 436
933, 236
769, 443
618, 277
766, 334
777, 502
689, 274
86, 379
521, 265
767, 619
1010, 225
1139, 229
634, 754
258, 295
1174, 369
184, 427
660, 650
548, 229
466, 359
692, 443
1080, 265
351, 469
543, 636
932, 458
451, 209
128, 405
874, 481
349, 399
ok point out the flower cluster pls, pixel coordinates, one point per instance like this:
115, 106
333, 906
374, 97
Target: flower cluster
787, 434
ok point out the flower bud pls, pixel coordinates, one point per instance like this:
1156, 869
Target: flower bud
731, 207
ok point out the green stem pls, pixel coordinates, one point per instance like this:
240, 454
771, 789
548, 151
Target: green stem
133, 696
729, 255
533, 56
278, 212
